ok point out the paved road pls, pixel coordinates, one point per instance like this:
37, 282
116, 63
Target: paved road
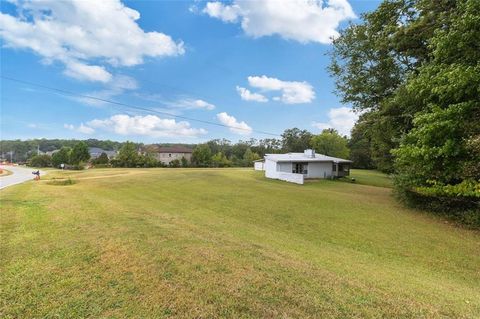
20, 175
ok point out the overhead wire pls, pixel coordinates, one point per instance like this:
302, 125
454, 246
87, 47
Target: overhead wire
130, 106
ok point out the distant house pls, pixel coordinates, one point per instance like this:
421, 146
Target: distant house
295, 167
95, 152
168, 154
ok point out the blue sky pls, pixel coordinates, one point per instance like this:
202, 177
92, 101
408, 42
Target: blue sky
252, 66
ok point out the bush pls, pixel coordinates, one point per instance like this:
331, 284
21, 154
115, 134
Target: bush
61, 182
174, 163
40, 161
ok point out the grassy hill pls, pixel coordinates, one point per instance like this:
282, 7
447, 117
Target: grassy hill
227, 243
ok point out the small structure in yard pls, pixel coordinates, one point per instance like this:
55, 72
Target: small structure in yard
259, 165
296, 167
168, 154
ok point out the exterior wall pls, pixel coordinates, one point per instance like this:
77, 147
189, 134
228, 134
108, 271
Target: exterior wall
259, 166
270, 169
291, 177
284, 167
320, 170
168, 157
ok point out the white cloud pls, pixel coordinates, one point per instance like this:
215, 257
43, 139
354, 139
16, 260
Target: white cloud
227, 13
86, 72
192, 104
246, 95
235, 126
300, 20
85, 129
342, 119
148, 125
117, 86
83, 34
81, 129
292, 92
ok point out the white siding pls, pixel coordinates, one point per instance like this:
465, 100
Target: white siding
319, 170
258, 166
291, 177
270, 169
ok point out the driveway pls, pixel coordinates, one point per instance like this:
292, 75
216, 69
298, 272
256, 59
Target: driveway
19, 175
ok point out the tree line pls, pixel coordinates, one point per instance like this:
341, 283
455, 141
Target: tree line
214, 153
412, 70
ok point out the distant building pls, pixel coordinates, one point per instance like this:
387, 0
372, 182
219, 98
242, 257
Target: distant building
168, 154
295, 167
95, 152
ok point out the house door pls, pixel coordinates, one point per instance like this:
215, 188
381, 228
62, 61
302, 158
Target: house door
300, 168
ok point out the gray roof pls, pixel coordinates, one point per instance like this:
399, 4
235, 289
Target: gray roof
98, 151
301, 157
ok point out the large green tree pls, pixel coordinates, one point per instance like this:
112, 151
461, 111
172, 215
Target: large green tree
79, 153
127, 155
201, 155
296, 140
330, 143
372, 62
61, 157
444, 145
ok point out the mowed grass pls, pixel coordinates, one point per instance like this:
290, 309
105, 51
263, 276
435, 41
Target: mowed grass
370, 177
211, 243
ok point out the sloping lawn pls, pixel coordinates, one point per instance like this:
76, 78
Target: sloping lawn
208, 243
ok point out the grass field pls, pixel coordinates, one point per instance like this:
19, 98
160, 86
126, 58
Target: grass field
370, 177
207, 243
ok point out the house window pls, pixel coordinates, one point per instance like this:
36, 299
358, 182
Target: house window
334, 167
169, 155
300, 168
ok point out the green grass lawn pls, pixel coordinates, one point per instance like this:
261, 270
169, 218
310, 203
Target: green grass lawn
370, 177
207, 243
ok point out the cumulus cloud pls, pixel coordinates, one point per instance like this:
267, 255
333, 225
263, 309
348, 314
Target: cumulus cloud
292, 92
342, 119
235, 126
246, 95
148, 125
80, 129
83, 34
300, 20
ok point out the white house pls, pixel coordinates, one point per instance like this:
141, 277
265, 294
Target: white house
295, 167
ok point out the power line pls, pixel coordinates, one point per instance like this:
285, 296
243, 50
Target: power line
131, 106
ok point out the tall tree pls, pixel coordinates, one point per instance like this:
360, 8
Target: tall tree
296, 140
443, 146
372, 62
201, 155
127, 155
79, 153
61, 157
330, 143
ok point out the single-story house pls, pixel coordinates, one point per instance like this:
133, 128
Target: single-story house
95, 153
168, 154
295, 167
